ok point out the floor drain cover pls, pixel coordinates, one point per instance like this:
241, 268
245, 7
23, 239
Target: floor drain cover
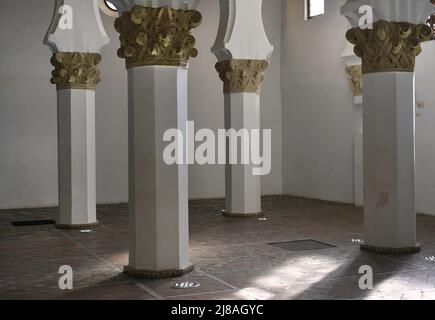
32, 223
185, 285
302, 245
431, 259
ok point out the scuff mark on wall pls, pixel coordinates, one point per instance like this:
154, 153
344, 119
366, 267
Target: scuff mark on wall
383, 200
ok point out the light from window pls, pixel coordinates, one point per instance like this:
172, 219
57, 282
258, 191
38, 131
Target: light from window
110, 5
315, 8
109, 8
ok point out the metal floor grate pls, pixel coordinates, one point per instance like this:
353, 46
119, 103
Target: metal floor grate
32, 223
302, 245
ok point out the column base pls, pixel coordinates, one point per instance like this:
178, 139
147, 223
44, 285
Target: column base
394, 251
77, 226
242, 215
150, 274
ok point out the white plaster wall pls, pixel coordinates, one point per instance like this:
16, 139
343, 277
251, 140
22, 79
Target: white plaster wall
318, 112
425, 130
320, 119
28, 115
28, 140
28, 130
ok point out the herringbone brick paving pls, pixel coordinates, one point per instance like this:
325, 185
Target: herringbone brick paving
233, 257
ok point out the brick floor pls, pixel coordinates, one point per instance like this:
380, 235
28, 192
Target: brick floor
233, 257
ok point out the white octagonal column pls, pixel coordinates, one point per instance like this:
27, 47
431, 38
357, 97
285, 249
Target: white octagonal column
75, 36
388, 49
243, 51
157, 44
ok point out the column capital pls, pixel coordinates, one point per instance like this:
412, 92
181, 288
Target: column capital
241, 33
242, 75
127, 5
353, 70
76, 27
389, 46
355, 79
157, 36
75, 70
348, 55
411, 11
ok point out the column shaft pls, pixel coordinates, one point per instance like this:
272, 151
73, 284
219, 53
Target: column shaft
158, 193
242, 188
389, 155
76, 154
76, 77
